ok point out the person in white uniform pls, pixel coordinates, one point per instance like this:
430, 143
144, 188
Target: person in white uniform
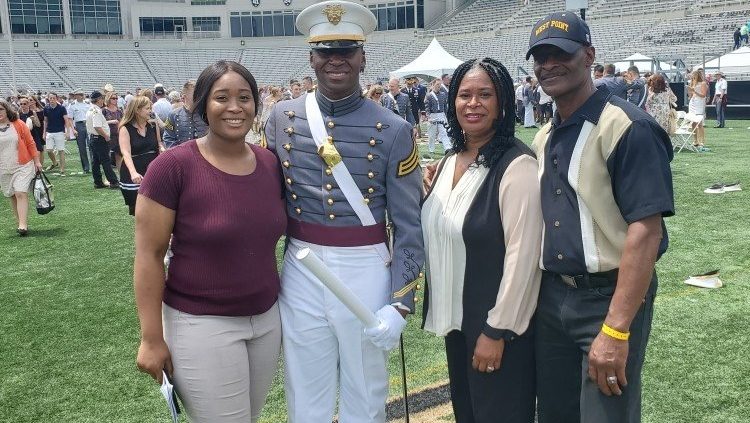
347, 162
528, 105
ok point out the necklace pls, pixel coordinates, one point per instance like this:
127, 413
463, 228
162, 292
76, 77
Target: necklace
4, 128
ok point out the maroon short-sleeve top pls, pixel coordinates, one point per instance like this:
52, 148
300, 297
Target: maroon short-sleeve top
225, 231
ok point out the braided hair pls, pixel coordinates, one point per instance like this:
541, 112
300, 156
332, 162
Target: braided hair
505, 125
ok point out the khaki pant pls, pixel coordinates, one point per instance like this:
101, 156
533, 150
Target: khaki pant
223, 366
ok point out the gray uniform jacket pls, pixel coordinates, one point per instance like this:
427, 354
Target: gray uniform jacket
436, 102
182, 126
377, 147
399, 105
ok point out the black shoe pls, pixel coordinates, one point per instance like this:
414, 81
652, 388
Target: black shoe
114, 186
22, 232
99, 186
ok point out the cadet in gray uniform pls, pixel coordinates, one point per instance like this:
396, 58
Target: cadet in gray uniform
436, 101
327, 351
181, 125
398, 101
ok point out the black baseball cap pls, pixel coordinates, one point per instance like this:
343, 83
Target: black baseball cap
95, 95
560, 29
159, 91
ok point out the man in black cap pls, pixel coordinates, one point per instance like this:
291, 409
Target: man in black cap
605, 186
162, 107
98, 133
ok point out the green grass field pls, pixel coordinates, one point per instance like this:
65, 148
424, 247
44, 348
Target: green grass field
69, 333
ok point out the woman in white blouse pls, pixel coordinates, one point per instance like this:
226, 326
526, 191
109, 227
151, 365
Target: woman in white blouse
482, 226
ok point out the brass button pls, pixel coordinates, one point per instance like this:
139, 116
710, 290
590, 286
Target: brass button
557, 223
367, 201
370, 190
379, 126
289, 181
370, 157
286, 163
554, 162
330, 201
289, 130
287, 147
298, 210
370, 174
331, 216
329, 172
558, 191
416, 300
329, 187
330, 140
418, 287
331, 124
290, 113
372, 141
559, 256
421, 274
294, 196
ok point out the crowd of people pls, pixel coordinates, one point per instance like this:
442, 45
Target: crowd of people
558, 329
541, 283
740, 35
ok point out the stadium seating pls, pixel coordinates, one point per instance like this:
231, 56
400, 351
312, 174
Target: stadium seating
668, 30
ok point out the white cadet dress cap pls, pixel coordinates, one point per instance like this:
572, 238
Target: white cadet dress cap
336, 24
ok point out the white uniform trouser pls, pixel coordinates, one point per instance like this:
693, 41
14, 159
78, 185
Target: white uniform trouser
324, 343
528, 117
437, 131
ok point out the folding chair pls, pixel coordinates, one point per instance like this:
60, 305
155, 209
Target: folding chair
683, 136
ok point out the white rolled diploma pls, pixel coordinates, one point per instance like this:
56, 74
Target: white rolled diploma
313, 263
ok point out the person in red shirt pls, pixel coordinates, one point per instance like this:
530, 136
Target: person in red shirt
213, 323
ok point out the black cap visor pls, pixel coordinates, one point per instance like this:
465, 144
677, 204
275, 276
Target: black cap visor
568, 46
336, 44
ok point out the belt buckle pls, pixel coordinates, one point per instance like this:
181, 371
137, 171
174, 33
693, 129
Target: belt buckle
569, 280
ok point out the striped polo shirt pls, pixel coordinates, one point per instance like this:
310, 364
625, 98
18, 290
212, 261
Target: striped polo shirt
600, 170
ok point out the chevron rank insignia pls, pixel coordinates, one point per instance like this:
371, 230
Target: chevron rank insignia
409, 164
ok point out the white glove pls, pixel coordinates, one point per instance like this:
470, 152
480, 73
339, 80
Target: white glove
386, 334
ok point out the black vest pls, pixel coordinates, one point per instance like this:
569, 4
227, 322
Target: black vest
484, 239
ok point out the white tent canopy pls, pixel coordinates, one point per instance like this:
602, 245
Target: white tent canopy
434, 62
737, 61
643, 62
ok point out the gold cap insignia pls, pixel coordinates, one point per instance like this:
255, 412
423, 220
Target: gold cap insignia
334, 12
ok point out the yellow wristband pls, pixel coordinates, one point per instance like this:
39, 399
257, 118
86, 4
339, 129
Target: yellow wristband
614, 333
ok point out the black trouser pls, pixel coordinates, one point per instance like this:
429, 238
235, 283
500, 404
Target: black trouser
503, 396
81, 140
100, 158
567, 321
519, 111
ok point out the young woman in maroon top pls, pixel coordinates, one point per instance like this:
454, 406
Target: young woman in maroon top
213, 324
